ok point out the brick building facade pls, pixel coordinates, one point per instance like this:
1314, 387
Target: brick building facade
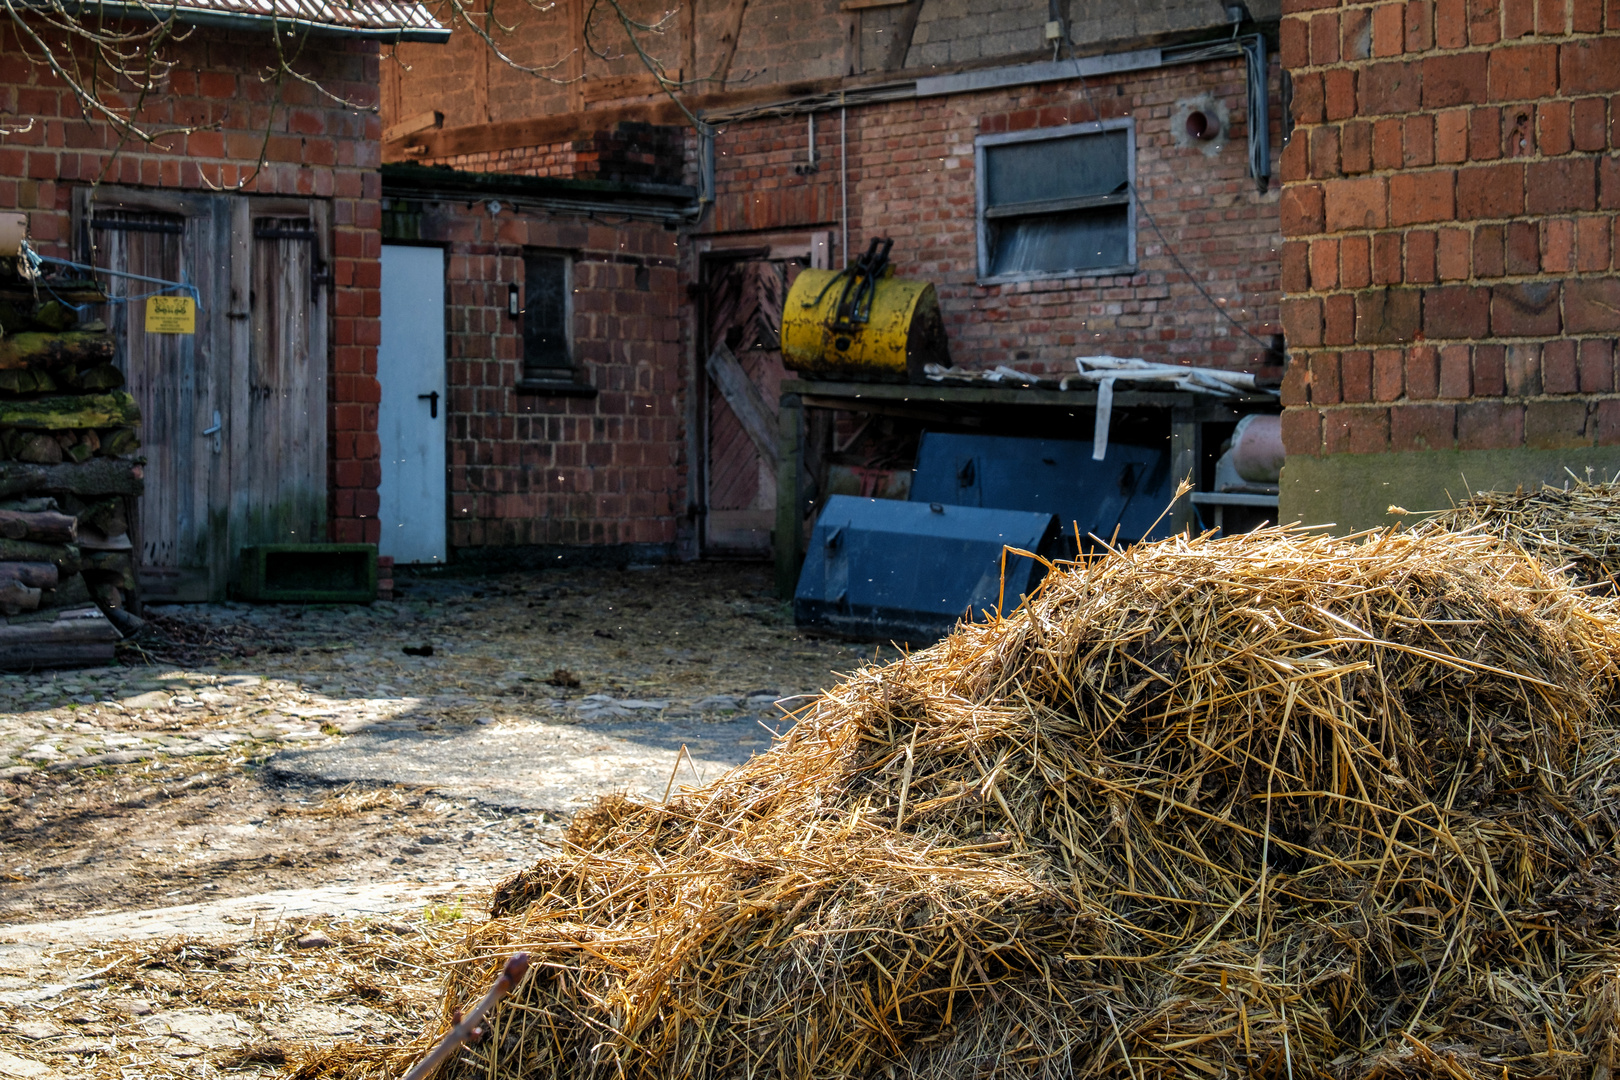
911, 176
532, 470
1449, 202
895, 155
320, 159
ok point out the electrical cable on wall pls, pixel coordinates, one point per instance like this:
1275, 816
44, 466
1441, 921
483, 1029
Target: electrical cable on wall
1141, 204
35, 261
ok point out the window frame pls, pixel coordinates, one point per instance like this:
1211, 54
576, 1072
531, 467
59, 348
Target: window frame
982, 217
569, 380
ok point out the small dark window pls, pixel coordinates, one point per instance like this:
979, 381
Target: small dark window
548, 361
1057, 202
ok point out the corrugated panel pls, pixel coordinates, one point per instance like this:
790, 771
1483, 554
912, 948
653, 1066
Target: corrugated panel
397, 20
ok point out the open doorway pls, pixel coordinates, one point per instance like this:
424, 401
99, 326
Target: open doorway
744, 289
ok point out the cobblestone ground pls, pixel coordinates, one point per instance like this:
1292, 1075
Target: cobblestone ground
148, 785
143, 783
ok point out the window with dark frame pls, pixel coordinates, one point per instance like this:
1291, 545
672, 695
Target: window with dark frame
548, 359
1057, 202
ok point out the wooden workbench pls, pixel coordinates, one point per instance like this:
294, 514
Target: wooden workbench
1187, 415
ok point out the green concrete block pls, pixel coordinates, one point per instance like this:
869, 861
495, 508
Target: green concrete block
309, 574
1352, 492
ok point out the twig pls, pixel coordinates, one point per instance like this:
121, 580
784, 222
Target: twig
512, 973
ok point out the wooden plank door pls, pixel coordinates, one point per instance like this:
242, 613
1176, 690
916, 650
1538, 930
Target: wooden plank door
413, 417
278, 416
177, 379
234, 416
744, 311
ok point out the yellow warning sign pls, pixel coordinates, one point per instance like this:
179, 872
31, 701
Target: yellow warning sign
171, 315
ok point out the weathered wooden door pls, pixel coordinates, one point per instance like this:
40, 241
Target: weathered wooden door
234, 415
744, 311
278, 415
177, 379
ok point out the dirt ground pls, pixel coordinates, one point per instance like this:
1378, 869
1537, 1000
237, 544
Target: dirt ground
145, 785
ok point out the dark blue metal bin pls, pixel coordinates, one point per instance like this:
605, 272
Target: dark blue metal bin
908, 570
1128, 489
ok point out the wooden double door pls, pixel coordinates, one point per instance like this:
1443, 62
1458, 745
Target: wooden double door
234, 415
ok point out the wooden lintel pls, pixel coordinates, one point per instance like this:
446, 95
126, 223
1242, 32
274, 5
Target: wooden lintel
613, 87
419, 122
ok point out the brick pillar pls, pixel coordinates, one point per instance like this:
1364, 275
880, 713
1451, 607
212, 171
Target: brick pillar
356, 454
1449, 206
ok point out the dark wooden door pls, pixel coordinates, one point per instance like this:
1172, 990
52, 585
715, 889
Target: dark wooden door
744, 311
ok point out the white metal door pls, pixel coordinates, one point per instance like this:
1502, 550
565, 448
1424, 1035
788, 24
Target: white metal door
411, 417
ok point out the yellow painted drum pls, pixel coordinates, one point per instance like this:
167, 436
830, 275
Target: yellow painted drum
902, 334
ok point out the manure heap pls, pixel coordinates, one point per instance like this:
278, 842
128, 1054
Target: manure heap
1275, 805
1575, 527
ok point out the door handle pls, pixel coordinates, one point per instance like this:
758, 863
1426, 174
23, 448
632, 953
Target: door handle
433, 404
214, 431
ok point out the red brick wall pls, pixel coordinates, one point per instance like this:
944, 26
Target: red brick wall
527, 468
911, 176
625, 153
315, 148
1449, 206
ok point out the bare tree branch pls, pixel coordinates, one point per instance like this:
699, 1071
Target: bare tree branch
114, 67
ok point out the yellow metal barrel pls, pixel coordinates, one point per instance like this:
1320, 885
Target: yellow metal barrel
902, 333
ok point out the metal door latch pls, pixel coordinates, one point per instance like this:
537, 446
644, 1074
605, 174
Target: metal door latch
219, 441
320, 276
433, 403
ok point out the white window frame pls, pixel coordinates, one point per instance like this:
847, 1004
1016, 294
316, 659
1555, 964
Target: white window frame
1126, 124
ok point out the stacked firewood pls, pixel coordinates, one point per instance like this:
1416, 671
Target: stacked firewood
69, 476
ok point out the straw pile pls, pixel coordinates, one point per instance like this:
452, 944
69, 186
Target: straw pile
1575, 528
1273, 804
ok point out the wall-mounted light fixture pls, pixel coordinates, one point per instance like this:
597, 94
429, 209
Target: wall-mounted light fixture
513, 304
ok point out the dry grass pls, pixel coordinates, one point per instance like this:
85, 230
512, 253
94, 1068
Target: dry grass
350, 800
1275, 804
132, 1009
1575, 527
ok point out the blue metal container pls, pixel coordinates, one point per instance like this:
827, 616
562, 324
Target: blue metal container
908, 570
1129, 489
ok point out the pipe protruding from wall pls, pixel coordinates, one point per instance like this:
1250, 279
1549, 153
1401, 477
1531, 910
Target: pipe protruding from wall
1202, 126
